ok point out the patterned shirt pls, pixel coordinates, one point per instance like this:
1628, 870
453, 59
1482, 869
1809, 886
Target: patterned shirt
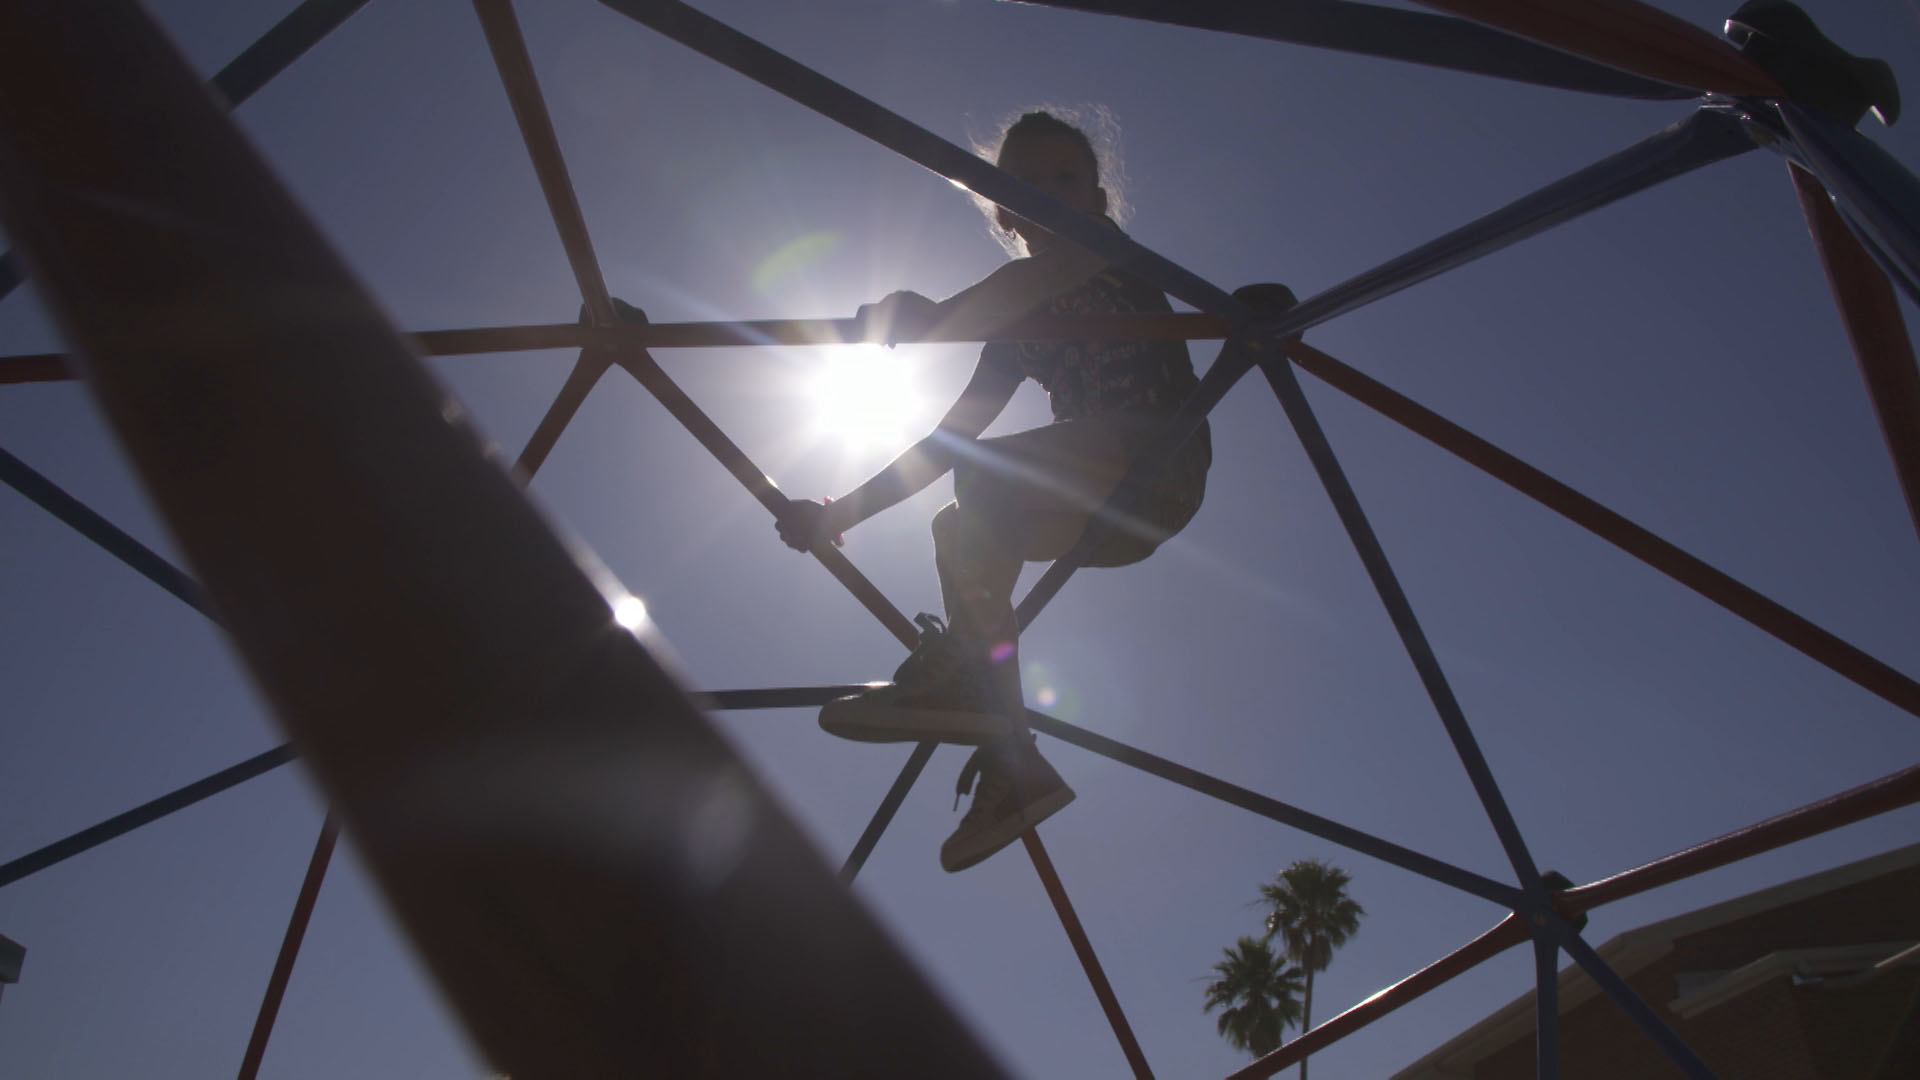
1093, 378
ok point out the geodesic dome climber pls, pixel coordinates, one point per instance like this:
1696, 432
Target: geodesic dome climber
322, 462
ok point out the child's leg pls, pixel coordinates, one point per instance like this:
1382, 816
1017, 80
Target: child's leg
1019, 498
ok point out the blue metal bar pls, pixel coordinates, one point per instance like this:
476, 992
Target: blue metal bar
153, 810
233, 775
289, 948
771, 69
49, 497
1546, 1007
1630, 1002
1877, 196
1306, 425
1706, 136
273, 53
1273, 809
1414, 36
883, 817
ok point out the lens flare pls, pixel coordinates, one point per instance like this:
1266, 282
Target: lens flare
792, 259
630, 612
1046, 690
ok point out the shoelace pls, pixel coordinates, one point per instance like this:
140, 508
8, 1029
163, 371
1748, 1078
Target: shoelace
975, 762
927, 652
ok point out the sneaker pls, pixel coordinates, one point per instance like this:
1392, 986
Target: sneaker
1013, 797
936, 695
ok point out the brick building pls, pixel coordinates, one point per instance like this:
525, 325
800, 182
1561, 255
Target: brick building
1815, 979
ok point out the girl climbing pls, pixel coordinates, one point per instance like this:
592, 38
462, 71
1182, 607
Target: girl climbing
1021, 497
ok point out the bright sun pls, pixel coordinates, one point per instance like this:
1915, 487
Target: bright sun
864, 396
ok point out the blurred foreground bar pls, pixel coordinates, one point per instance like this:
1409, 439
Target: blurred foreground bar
597, 883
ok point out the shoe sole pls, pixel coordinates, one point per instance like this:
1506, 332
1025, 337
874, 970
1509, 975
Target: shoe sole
849, 719
992, 840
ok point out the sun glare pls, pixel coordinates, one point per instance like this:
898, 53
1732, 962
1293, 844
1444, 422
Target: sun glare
864, 396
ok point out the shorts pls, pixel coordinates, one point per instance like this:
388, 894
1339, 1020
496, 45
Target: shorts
1170, 501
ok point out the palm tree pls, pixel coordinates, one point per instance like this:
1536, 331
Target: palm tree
1312, 915
1260, 995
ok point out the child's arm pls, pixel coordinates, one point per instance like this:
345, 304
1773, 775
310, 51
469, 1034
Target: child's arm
806, 524
1018, 288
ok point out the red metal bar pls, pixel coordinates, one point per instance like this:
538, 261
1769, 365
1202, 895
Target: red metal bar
1179, 326
1857, 804
1790, 628
1875, 328
289, 948
1628, 35
1505, 935
1077, 934
452, 675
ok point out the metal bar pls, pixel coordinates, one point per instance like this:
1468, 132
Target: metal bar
510, 57
279, 47
777, 72
509, 48
1546, 1008
1083, 948
1875, 329
1876, 194
523, 91
1119, 326
1708, 135
1628, 35
47, 495
34, 367
1509, 932
1631, 1003
153, 810
452, 675
1285, 387
587, 370
1790, 628
1131, 326
272, 53
777, 697
1705, 136
1385, 850
289, 949
889, 806
648, 373
1411, 36
1890, 792
205, 788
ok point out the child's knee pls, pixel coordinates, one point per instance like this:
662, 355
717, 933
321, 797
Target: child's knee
946, 526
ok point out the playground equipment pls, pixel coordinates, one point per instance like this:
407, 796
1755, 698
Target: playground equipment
381, 484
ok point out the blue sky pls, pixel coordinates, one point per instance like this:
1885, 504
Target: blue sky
1675, 356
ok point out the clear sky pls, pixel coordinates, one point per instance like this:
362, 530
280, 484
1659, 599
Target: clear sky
1675, 356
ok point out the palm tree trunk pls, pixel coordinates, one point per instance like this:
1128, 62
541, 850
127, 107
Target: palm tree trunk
1306, 1019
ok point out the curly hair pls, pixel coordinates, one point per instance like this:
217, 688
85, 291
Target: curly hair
1092, 126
